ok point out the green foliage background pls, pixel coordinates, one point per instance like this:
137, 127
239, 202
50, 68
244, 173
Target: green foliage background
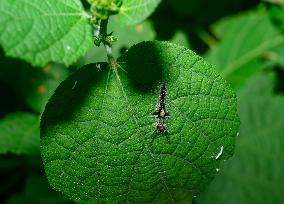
244, 39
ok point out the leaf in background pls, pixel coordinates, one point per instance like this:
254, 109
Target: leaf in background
98, 139
135, 11
31, 85
196, 11
44, 31
127, 36
243, 40
280, 56
13, 170
276, 12
37, 191
255, 173
9, 67
180, 38
37, 85
19, 134
276, 56
130, 35
11, 100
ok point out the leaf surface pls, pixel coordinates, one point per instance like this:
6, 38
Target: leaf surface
98, 132
135, 11
44, 31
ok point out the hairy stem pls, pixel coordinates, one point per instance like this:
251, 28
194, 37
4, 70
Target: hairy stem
107, 45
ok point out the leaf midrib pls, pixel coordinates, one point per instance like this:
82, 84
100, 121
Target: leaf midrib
151, 155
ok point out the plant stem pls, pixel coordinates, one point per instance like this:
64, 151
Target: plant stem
107, 45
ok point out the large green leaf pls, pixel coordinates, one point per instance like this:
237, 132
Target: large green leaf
255, 173
44, 31
19, 134
243, 40
135, 11
98, 135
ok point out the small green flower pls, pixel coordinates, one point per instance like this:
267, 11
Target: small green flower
102, 9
